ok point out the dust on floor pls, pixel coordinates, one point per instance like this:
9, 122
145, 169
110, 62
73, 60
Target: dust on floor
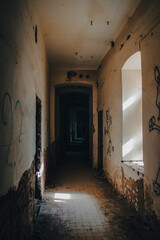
80, 204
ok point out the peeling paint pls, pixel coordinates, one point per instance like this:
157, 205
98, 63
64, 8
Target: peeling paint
149, 213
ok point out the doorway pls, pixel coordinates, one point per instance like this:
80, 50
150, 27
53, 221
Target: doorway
73, 123
38, 149
100, 139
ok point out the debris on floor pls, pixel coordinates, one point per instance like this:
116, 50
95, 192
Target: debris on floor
83, 205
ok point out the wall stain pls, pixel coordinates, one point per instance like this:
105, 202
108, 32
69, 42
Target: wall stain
127, 38
5, 123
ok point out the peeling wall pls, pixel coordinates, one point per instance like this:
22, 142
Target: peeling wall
142, 32
83, 77
133, 188
23, 75
18, 210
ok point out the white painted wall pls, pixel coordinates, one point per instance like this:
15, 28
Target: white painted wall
23, 75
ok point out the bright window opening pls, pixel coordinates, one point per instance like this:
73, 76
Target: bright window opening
132, 140
59, 201
62, 196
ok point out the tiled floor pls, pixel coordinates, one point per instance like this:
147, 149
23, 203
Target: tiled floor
75, 215
79, 204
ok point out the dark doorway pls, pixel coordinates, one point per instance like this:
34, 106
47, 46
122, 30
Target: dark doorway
74, 119
38, 150
73, 123
100, 139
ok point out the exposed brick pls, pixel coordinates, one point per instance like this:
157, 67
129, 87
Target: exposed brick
17, 212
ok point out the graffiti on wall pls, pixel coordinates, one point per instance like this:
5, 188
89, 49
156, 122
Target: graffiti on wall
154, 126
152, 122
7, 114
110, 147
18, 106
156, 184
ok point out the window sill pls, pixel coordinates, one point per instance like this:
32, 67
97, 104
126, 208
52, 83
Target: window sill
135, 165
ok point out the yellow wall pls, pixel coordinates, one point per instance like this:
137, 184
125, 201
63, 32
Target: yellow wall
141, 33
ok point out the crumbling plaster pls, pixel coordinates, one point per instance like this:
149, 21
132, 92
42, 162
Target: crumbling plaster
143, 28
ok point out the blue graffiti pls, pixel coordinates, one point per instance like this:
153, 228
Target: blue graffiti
20, 131
19, 104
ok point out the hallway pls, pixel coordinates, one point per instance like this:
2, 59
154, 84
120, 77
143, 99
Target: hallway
79, 80
80, 204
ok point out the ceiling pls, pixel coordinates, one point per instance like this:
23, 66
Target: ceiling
78, 33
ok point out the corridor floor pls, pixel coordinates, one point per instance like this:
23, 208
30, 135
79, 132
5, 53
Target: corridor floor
80, 204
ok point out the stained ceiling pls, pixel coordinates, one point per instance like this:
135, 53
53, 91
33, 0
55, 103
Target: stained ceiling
78, 33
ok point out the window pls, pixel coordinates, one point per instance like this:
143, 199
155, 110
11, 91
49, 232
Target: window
132, 139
